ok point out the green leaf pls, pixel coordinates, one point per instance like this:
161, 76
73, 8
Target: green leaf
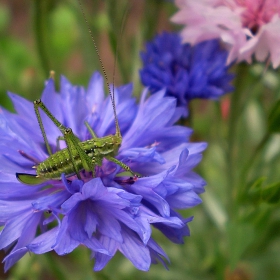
240, 236
271, 193
255, 191
274, 118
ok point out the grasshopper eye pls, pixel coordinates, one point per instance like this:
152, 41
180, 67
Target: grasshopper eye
37, 101
68, 130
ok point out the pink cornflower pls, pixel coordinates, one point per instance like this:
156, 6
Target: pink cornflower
246, 27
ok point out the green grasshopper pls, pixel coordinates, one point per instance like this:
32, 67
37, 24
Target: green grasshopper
77, 155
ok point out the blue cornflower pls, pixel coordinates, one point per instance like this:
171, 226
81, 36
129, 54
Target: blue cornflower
186, 72
108, 213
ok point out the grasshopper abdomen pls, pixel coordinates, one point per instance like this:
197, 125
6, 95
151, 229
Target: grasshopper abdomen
60, 162
56, 164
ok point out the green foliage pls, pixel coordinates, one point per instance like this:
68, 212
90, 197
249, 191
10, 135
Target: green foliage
271, 193
264, 194
255, 191
274, 118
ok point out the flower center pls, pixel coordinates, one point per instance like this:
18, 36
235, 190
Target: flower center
29, 157
257, 12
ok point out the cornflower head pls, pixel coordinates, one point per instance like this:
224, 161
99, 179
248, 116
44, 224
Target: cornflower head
110, 212
247, 27
186, 72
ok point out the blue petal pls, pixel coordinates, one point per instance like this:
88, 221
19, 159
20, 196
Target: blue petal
135, 250
142, 155
176, 235
157, 253
144, 187
185, 71
64, 243
22, 106
50, 200
96, 246
74, 106
95, 93
11, 259
109, 226
44, 242
14, 227
101, 259
184, 200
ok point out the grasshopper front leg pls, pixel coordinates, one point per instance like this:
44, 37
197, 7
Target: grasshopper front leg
72, 141
38, 103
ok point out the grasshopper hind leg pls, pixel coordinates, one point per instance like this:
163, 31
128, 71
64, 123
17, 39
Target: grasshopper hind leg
30, 179
124, 166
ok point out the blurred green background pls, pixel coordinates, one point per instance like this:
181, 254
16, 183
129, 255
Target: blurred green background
38, 36
235, 232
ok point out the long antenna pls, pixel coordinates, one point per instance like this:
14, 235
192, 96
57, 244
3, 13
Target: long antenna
112, 96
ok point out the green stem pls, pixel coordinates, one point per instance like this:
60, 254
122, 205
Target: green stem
235, 106
40, 10
85, 22
152, 9
118, 12
245, 171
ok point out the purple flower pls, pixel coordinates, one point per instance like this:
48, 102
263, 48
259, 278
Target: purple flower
186, 72
111, 212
